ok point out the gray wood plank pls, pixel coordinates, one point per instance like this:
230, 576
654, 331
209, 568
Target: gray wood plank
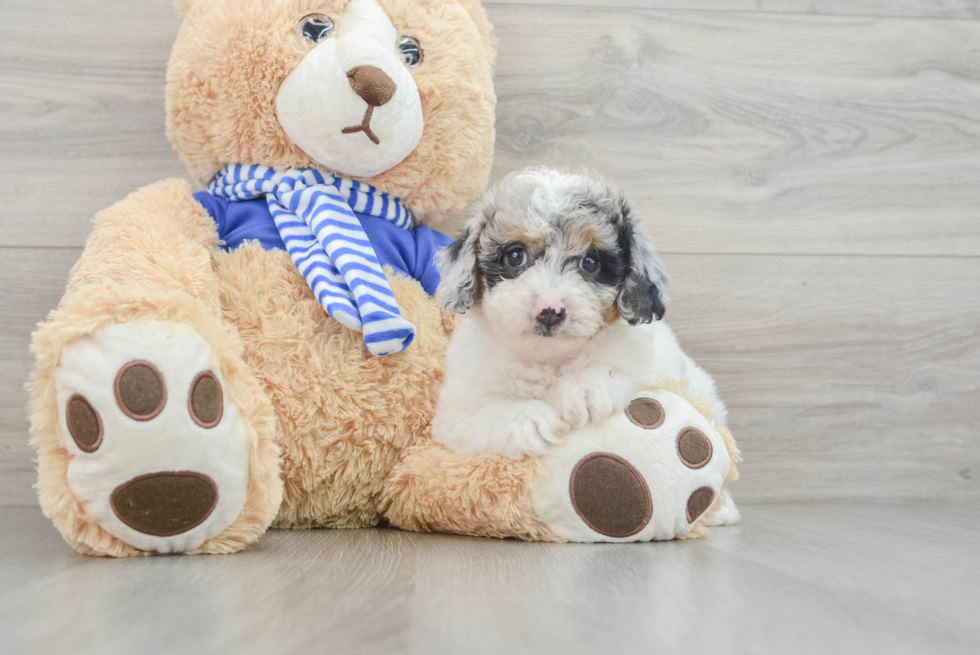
756, 132
916, 530
798, 578
82, 121
947, 9
846, 377
738, 132
31, 284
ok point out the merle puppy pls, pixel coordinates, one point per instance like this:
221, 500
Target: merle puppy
562, 295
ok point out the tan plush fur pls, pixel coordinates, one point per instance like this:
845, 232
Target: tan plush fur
221, 93
308, 390
345, 416
433, 490
149, 259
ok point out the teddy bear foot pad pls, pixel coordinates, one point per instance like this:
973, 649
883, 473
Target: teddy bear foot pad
646, 474
159, 451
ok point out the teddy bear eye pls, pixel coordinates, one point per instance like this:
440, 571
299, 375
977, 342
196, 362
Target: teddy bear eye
410, 50
315, 28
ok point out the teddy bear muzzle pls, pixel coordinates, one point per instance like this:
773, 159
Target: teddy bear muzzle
351, 103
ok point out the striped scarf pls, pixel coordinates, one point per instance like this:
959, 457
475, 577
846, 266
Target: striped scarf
316, 215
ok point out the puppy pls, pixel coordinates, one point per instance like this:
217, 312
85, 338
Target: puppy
562, 296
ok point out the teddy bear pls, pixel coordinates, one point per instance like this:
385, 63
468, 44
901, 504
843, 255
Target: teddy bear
267, 352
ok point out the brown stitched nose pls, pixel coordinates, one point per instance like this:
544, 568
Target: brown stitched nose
372, 84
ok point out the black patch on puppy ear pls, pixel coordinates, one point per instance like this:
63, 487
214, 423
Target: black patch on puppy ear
458, 267
642, 294
454, 249
640, 301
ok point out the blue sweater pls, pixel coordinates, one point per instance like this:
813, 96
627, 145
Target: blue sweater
409, 252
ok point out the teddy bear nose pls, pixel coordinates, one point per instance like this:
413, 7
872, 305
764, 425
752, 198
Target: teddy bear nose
372, 84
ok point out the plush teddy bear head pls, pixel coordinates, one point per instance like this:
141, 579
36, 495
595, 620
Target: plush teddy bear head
398, 93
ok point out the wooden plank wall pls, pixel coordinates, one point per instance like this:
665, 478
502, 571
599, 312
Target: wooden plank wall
810, 171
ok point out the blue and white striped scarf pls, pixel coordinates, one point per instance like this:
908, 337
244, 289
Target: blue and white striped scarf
315, 215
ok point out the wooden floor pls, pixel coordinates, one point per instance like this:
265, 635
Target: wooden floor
801, 578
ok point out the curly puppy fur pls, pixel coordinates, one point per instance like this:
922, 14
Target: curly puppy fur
566, 294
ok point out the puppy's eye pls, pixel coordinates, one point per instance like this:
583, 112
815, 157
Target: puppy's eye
516, 257
589, 263
315, 28
410, 51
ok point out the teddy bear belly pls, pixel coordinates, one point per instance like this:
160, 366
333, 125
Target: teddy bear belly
344, 416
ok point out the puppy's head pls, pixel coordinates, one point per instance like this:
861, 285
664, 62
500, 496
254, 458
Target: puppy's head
552, 257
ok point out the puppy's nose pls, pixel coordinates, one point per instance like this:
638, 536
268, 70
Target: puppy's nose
549, 318
372, 84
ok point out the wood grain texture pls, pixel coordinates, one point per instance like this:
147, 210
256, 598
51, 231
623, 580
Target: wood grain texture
846, 377
758, 133
732, 132
82, 113
803, 578
31, 284
949, 9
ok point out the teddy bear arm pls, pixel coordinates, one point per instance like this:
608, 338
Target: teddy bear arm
158, 238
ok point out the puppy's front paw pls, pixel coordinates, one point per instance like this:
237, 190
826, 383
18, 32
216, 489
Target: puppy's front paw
534, 427
592, 396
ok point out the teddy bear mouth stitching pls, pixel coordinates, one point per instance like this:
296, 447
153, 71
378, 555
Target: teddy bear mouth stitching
375, 87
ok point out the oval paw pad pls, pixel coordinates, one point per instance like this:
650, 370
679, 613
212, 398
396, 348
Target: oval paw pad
165, 504
699, 502
646, 412
610, 495
140, 391
694, 448
205, 400
84, 424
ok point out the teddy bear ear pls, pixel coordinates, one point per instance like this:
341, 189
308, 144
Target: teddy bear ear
479, 14
184, 7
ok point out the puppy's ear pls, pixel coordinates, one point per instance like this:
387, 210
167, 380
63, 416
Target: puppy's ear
644, 289
459, 264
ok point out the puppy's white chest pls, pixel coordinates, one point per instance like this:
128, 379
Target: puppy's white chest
538, 380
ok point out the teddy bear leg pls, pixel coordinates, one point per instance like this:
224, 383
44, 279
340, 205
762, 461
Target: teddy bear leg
490, 495
653, 472
152, 434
